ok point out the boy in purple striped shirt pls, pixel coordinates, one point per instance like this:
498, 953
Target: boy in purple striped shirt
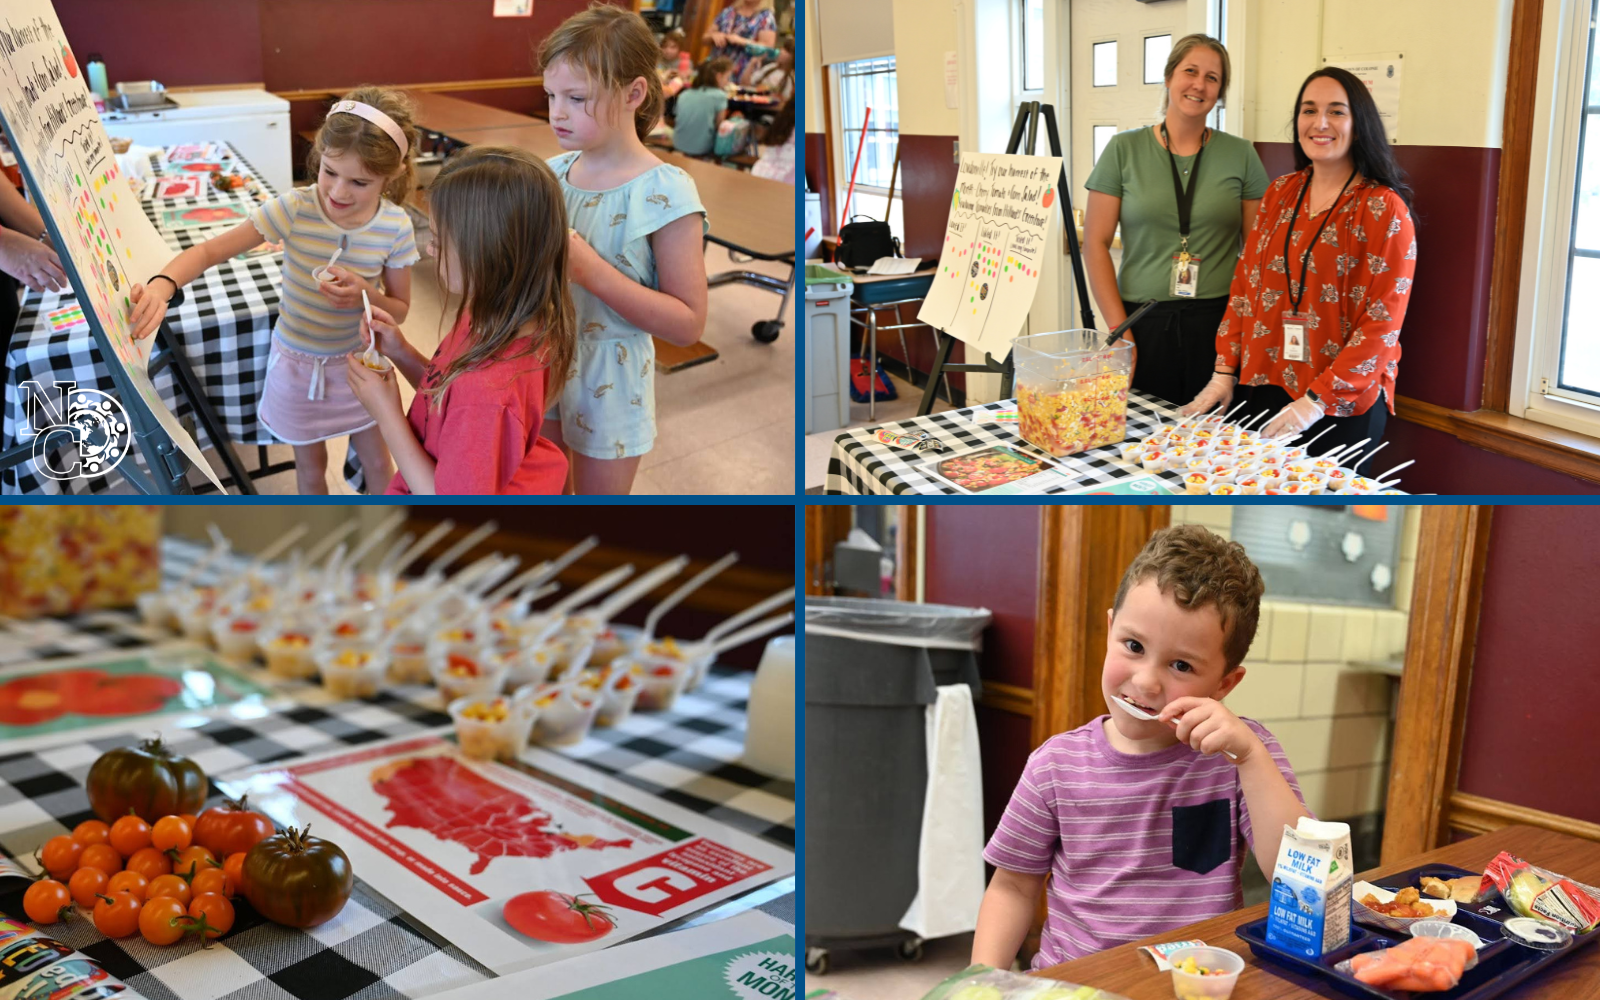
1141, 826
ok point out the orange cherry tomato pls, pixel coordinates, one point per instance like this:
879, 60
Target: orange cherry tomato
131, 883
45, 901
192, 860
234, 869
213, 914
117, 916
163, 920
188, 818
91, 831
169, 885
149, 862
210, 880
171, 833
130, 835
86, 884
60, 855
101, 856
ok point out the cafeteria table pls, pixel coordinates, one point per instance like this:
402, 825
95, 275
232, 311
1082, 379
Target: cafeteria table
224, 327
1124, 970
373, 950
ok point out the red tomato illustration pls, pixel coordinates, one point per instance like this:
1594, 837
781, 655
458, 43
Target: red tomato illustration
1049, 197
558, 918
66, 57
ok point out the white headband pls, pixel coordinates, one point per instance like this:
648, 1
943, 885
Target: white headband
374, 116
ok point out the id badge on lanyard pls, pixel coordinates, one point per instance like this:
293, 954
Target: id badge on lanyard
1294, 336
1185, 276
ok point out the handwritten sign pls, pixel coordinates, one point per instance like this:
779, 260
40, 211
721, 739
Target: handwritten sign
1003, 216
106, 241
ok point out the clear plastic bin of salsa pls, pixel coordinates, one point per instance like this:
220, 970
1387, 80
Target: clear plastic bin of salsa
1072, 390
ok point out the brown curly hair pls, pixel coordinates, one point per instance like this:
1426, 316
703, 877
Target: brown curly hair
612, 47
375, 148
1197, 569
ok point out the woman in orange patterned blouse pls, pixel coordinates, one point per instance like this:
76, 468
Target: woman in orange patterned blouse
1312, 329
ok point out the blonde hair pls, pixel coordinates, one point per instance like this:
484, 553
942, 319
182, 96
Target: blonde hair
1197, 569
500, 210
372, 145
612, 47
1181, 49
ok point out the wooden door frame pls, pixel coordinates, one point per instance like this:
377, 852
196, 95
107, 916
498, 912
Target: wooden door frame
826, 526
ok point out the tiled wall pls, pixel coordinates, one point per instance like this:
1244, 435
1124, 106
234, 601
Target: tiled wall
1332, 720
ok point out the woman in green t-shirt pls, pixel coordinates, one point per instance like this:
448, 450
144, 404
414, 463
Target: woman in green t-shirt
1181, 255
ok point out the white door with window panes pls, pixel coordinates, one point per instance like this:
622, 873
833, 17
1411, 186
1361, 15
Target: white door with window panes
860, 85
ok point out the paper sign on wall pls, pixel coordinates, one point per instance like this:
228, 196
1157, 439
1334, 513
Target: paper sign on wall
106, 238
1003, 218
513, 8
952, 79
1382, 77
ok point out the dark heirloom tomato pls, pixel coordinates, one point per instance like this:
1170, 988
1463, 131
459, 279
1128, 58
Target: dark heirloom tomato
231, 828
148, 779
296, 879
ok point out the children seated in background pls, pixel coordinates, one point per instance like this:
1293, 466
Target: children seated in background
1138, 824
702, 108
776, 161
775, 76
670, 64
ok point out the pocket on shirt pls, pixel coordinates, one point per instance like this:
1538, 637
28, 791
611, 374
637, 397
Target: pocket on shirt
1202, 836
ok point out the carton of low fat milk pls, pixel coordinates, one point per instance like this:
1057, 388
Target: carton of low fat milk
1309, 911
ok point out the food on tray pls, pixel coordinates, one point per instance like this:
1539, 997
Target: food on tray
1087, 413
298, 880
148, 780
1423, 964
1462, 890
1192, 968
1405, 904
1535, 892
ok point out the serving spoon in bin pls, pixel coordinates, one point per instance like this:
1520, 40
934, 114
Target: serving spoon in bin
1139, 713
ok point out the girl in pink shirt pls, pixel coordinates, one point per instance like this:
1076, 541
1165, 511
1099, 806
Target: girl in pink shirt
500, 236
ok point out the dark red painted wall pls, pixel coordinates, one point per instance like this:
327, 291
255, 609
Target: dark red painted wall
989, 557
179, 42
1530, 736
1447, 466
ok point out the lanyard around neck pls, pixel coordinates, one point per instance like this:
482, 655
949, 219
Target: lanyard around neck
1305, 258
1185, 197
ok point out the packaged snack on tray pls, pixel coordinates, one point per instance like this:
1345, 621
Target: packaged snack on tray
1420, 964
1534, 892
1072, 391
980, 982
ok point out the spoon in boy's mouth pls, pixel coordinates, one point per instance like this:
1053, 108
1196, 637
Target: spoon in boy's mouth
1139, 713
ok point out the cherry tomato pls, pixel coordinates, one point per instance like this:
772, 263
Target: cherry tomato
211, 880
86, 884
188, 818
231, 828
168, 885
149, 862
131, 883
213, 913
129, 835
192, 860
557, 917
101, 856
163, 920
91, 831
234, 869
60, 855
117, 916
171, 833
46, 901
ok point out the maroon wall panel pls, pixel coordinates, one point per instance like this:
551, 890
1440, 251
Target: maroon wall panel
1006, 740
928, 179
1446, 465
989, 557
816, 169
1530, 737
182, 43
1447, 322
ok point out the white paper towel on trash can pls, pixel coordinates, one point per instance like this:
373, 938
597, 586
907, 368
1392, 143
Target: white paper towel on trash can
950, 859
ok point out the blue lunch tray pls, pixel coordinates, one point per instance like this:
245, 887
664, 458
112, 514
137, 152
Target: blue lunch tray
1502, 963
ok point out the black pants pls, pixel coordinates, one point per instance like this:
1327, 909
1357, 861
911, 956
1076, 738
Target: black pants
1177, 344
10, 308
1336, 431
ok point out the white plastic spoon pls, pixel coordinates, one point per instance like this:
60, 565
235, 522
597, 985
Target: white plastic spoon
722, 628
422, 545
1139, 713
1393, 470
749, 632
675, 598
608, 608
436, 569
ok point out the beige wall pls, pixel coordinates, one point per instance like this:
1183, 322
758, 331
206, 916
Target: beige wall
1332, 721
813, 72
924, 30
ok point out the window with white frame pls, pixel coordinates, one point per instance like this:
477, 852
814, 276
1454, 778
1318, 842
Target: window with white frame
1577, 361
868, 83
1031, 47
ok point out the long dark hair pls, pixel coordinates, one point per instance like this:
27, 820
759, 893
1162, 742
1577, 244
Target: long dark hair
782, 126
1369, 143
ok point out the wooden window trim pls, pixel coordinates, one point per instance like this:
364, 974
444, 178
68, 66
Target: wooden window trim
1543, 445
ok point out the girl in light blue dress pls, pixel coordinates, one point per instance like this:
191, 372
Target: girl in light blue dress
636, 263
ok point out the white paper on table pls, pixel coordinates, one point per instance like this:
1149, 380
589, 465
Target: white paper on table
894, 265
950, 857
639, 958
1003, 217
577, 831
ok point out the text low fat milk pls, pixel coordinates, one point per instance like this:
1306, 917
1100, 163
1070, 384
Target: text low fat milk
1309, 911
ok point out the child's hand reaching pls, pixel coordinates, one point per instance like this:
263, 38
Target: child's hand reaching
344, 291
1207, 725
149, 309
377, 391
390, 340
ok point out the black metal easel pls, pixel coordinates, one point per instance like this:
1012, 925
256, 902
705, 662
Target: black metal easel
1028, 115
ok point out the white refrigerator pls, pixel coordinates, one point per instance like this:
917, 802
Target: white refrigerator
254, 121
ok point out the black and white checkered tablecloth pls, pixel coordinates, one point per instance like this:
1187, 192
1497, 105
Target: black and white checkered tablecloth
861, 464
224, 327
372, 951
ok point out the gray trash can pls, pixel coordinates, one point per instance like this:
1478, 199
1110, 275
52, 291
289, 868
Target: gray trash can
872, 669
827, 348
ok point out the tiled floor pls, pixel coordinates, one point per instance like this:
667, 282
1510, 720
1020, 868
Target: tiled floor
880, 974
820, 444
726, 426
